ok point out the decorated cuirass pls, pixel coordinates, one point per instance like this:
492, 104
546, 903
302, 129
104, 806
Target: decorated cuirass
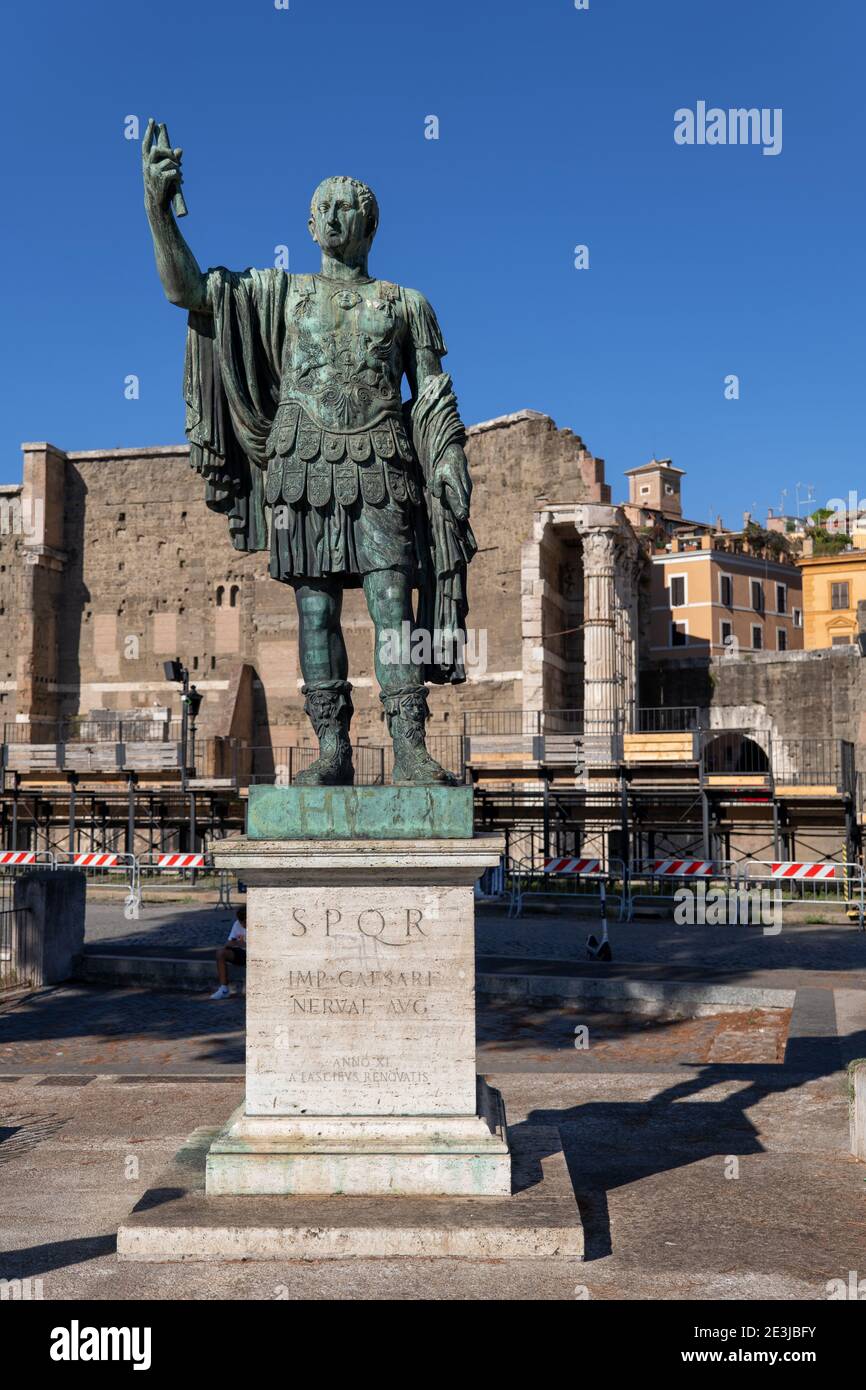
339, 430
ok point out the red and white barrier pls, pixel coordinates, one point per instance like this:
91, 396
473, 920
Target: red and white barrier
681, 868
796, 869
567, 865
18, 856
97, 859
178, 861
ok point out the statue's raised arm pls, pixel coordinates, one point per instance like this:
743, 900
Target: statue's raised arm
179, 271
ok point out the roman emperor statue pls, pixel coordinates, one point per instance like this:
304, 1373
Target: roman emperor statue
297, 425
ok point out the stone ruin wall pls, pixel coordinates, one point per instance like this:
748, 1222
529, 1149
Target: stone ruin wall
131, 569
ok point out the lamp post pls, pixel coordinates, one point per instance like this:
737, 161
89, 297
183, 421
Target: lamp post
190, 701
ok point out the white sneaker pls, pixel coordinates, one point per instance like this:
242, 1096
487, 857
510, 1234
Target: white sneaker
221, 993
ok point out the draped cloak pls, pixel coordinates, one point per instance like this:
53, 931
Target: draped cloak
233, 384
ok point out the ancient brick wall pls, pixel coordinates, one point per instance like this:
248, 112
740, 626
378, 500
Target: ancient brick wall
146, 573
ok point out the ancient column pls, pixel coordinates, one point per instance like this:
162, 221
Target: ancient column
602, 682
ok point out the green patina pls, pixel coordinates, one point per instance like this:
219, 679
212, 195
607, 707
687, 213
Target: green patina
360, 813
297, 424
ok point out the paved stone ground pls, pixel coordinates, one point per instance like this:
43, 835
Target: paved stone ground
94, 1030
652, 1161
701, 1169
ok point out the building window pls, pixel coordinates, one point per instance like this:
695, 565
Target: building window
678, 593
781, 640
842, 641
220, 594
679, 634
669, 489
757, 595
757, 638
233, 596
797, 617
726, 590
839, 595
781, 598
645, 490
727, 632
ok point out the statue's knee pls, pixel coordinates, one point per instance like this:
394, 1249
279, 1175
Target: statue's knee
318, 612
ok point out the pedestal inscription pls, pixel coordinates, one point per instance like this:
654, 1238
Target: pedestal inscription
362, 1001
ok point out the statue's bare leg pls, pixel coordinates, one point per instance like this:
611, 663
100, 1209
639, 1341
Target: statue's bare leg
403, 692
327, 692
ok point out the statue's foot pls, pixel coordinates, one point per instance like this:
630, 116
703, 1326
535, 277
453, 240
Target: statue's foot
420, 770
327, 772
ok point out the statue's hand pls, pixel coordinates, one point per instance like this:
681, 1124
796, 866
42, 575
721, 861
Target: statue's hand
160, 167
451, 481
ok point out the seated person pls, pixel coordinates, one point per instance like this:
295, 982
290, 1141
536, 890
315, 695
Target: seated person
235, 950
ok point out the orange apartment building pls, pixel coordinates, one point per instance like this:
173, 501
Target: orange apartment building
715, 593
833, 585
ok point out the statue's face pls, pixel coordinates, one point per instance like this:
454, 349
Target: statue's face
338, 222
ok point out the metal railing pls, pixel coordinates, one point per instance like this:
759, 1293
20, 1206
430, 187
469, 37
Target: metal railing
820, 882
118, 729
521, 723
15, 921
814, 762
666, 719
577, 892
794, 762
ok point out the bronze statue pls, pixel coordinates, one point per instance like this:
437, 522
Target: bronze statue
296, 422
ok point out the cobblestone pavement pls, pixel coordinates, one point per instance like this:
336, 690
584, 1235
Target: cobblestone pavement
187, 927
91, 1029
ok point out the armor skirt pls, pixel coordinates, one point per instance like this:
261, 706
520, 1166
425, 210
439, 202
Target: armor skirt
342, 504
309, 542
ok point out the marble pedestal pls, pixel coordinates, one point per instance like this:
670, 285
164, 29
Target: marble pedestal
360, 1062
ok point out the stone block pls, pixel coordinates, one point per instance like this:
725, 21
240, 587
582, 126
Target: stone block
48, 931
360, 1051
359, 813
177, 1221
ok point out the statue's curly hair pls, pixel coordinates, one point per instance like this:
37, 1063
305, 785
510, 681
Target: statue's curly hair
365, 195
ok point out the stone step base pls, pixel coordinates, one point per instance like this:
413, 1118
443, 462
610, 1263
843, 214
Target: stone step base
176, 1221
364, 1155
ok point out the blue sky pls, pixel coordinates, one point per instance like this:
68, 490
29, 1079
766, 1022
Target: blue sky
556, 129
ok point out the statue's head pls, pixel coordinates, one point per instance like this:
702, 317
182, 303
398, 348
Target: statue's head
344, 216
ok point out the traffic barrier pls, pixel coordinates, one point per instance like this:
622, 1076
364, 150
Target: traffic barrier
106, 862
29, 858
681, 868
594, 882
564, 865
655, 881
162, 860
159, 862
97, 859
799, 870
819, 881
176, 861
